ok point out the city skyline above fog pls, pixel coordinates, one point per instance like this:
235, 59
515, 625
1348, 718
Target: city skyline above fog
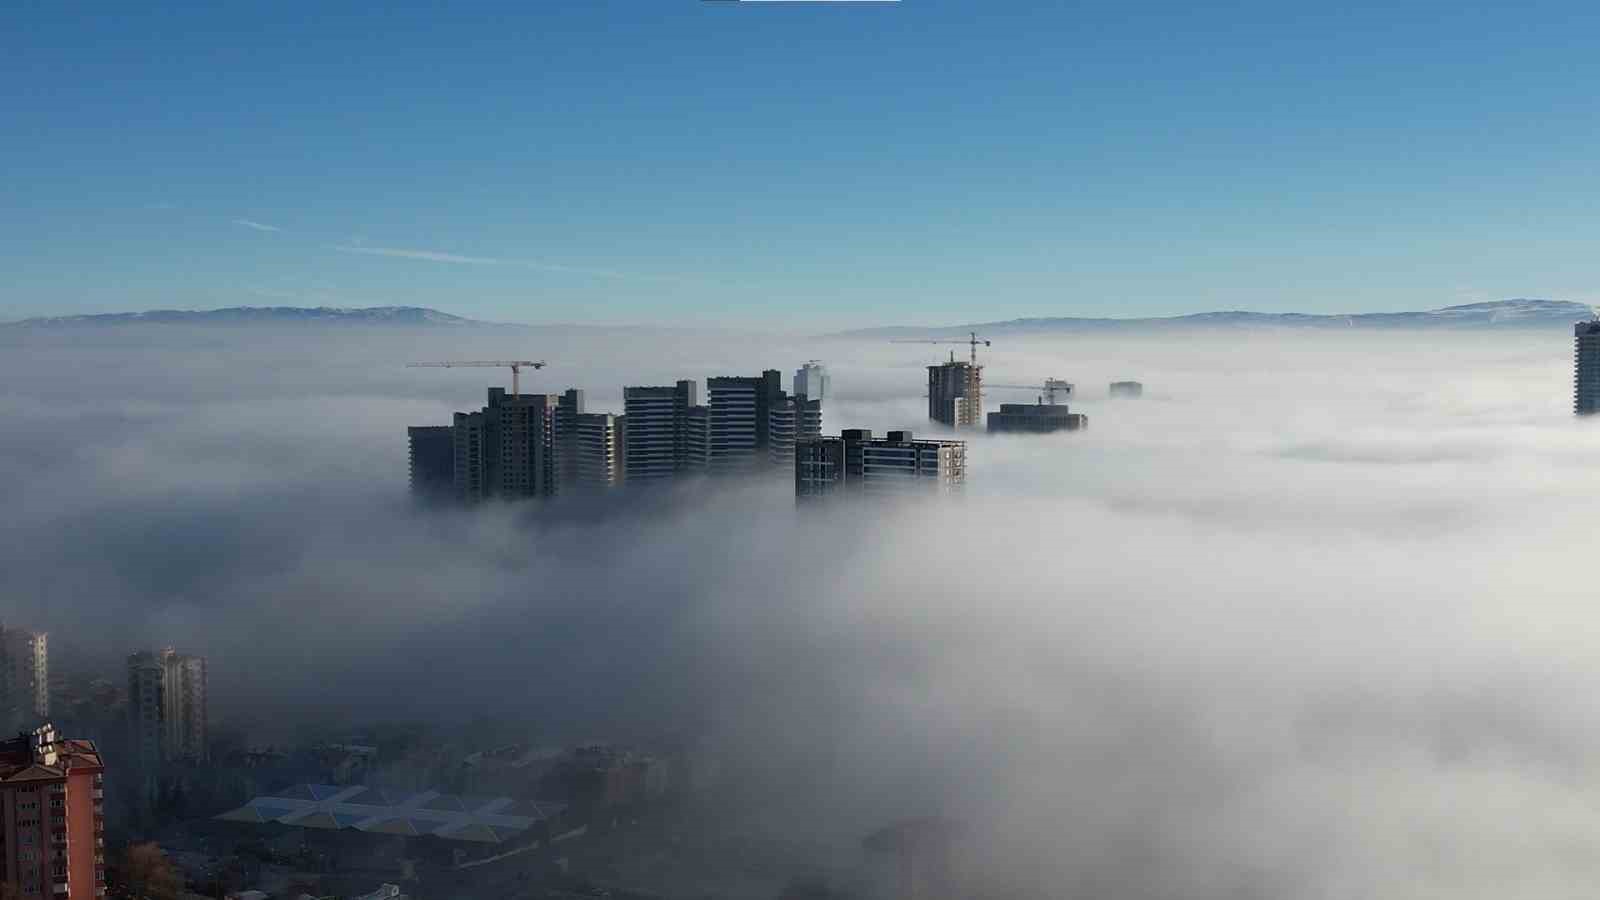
667, 449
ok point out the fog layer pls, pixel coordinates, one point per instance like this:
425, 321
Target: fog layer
1311, 619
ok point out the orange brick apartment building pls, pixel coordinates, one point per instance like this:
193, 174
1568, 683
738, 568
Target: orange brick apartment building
52, 832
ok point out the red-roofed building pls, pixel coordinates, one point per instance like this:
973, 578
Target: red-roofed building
52, 832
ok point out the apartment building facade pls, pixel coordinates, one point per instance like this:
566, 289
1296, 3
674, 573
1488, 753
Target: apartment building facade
52, 817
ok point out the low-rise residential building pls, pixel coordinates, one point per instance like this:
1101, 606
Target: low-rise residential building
1036, 418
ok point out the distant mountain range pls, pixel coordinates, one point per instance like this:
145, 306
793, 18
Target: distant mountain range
241, 315
1499, 314
1521, 313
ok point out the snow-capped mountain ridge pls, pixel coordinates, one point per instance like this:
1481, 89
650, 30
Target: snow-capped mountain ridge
385, 315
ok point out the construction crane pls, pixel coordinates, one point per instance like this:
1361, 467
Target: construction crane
1050, 388
515, 365
972, 340
969, 402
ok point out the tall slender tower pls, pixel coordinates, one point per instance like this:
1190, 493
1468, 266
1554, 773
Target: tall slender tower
187, 725
24, 678
1586, 368
146, 709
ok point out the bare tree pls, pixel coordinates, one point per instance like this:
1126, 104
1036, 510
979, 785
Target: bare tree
147, 874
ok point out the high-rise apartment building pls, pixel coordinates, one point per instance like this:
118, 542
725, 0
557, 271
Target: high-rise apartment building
665, 433
432, 459
1586, 368
739, 421
52, 829
24, 678
793, 419
596, 446
568, 409
508, 449
147, 731
697, 440
811, 381
955, 394
808, 418
781, 425
186, 706
168, 707
470, 459
526, 428
855, 462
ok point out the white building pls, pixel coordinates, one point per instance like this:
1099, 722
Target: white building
812, 381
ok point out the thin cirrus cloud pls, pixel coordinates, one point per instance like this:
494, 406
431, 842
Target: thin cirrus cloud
258, 226
459, 259
426, 255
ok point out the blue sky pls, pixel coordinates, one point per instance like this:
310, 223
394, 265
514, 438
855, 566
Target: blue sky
676, 161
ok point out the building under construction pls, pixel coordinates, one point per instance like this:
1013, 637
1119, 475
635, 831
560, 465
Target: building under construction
955, 393
955, 389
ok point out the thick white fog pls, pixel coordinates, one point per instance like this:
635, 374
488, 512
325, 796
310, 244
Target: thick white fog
1312, 619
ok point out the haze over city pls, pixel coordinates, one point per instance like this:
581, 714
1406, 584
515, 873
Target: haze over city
954, 452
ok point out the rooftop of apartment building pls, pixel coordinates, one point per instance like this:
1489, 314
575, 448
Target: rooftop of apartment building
898, 436
41, 755
1047, 410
